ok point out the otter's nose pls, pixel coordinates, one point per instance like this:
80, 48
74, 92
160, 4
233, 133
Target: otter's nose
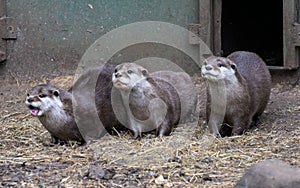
29, 100
117, 75
207, 67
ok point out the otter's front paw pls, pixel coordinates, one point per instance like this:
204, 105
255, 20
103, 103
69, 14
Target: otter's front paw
137, 135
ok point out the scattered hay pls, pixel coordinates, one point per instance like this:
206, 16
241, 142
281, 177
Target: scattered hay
62, 82
188, 158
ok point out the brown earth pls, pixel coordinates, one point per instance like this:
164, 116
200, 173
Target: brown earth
188, 158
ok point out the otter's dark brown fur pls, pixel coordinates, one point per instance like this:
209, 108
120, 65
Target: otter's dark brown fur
162, 90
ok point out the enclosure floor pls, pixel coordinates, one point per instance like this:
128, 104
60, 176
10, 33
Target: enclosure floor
188, 158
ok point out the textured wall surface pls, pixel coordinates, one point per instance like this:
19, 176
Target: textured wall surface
53, 35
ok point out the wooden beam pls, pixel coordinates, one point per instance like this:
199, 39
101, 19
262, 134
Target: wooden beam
290, 35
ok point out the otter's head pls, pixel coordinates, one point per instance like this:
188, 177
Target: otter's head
42, 98
126, 75
218, 68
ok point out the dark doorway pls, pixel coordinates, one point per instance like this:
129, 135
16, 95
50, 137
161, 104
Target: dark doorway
255, 26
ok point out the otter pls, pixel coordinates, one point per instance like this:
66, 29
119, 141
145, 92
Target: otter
238, 90
152, 101
55, 107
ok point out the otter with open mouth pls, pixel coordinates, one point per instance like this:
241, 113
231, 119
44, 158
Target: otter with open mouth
54, 107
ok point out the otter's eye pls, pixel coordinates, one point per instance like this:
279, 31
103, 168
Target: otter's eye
42, 95
220, 65
116, 70
129, 71
27, 94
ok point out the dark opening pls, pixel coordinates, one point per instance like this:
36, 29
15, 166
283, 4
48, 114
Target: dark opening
255, 26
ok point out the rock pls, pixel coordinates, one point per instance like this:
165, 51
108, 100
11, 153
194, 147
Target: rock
271, 173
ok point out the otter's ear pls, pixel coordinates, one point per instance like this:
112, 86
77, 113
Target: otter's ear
145, 72
56, 93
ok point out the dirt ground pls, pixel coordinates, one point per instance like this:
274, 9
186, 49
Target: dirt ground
188, 158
